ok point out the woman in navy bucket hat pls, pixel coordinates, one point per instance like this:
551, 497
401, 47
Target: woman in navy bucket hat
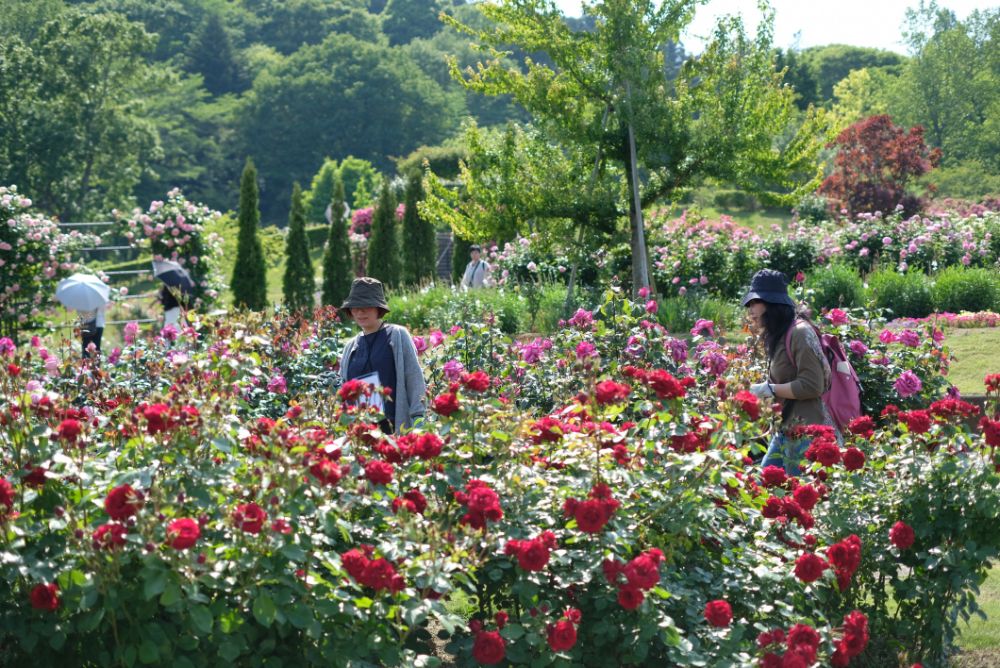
383, 355
798, 372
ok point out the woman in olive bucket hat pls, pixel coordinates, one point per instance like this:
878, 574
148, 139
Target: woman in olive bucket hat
383, 355
798, 372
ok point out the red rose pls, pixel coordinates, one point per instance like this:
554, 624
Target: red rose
854, 459
718, 613
413, 501
918, 422
250, 517
69, 430
802, 636
488, 648
562, 635
352, 390
380, 574
6, 494
610, 392
612, 569
643, 572
108, 536
379, 473
748, 404
445, 404
806, 496
326, 471
591, 515
477, 381
427, 446
533, 555
354, 562
773, 476
773, 508
901, 535
855, 633
991, 431
862, 426
45, 597
547, 430
664, 384
573, 615
183, 533
122, 502
809, 567
157, 418
630, 598
501, 619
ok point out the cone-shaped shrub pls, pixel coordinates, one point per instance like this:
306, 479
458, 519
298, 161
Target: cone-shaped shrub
383, 247
249, 284
299, 283
337, 256
419, 241
459, 257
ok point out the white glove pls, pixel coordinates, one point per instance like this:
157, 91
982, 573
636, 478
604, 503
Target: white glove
762, 390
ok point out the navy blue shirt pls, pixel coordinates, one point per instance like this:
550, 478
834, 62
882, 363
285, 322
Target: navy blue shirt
373, 353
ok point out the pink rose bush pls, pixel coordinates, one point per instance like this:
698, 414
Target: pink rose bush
608, 513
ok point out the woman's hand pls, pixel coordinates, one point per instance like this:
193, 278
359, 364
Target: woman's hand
762, 390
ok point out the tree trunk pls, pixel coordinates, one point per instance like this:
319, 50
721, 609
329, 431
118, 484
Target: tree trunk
640, 263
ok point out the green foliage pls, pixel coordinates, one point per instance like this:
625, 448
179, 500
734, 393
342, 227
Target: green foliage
314, 96
443, 306
679, 313
249, 282
320, 194
790, 255
904, 295
459, 257
406, 20
337, 274
69, 108
443, 160
299, 282
830, 64
970, 179
360, 181
835, 286
958, 289
212, 55
383, 245
720, 117
419, 240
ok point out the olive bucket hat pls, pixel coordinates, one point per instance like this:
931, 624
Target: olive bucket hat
769, 285
366, 292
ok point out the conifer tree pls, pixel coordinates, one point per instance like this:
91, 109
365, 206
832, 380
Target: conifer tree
337, 257
249, 284
299, 283
419, 240
459, 257
212, 55
383, 247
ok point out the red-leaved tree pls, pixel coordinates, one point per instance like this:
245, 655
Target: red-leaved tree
875, 162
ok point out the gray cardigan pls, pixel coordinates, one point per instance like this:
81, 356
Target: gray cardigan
410, 385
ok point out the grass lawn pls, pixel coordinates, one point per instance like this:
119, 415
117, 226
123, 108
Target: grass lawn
980, 639
977, 353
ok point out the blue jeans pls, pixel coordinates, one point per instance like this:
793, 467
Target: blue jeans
786, 453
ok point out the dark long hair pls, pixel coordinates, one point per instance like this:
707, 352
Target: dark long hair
776, 320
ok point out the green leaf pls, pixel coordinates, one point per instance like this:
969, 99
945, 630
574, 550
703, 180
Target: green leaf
155, 583
299, 615
294, 553
148, 653
201, 619
57, 640
264, 609
171, 595
229, 650
89, 621
364, 602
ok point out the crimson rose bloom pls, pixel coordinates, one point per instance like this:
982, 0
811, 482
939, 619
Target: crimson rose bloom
183, 533
414, 502
773, 476
250, 517
426, 446
45, 597
532, 555
854, 459
748, 404
488, 648
918, 422
591, 515
901, 535
991, 431
802, 636
562, 635
665, 385
477, 381
855, 633
108, 536
718, 613
352, 390
157, 418
806, 496
122, 502
863, 426
445, 404
643, 572
6, 494
610, 392
809, 567
69, 430
326, 471
630, 598
379, 473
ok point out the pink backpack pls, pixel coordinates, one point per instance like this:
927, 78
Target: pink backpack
843, 396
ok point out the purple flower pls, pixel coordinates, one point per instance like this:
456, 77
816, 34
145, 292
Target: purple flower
131, 329
706, 326
585, 349
908, 384
7, 347
678, 350
582, 318
420, 344
277, 384
436, 338
909, 338
532, 352
635, 346
714, 363
887, 336
858, 348
453, 370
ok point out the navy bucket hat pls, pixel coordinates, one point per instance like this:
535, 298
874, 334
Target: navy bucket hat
769, 285
366, 292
